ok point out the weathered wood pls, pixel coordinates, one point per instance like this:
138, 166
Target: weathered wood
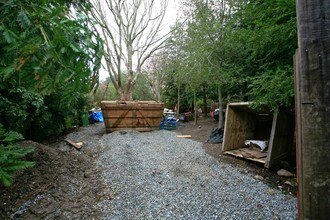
239, 127
243, 123
281, 138
183, 136
312, 77
246, 154
137, 115
76, 145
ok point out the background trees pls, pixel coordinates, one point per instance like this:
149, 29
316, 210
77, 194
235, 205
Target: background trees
267, 36
245, 48
241, 48
131, 31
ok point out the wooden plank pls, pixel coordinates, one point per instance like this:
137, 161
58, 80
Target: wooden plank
132, 122
239, 126
241, 154
281, 138
76, 145
142, 129
132, 114
313, 106
183, 136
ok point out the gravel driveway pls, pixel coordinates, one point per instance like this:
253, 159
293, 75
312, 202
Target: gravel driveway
155, 175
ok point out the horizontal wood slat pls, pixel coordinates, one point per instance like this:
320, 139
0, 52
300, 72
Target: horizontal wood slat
137, 115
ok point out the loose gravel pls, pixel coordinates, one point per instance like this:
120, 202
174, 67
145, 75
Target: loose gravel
155, 175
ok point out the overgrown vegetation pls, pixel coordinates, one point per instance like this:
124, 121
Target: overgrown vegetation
244, 49
10, 155
50, 65
222, 50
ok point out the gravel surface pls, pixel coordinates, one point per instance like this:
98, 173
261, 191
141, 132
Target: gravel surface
154, 175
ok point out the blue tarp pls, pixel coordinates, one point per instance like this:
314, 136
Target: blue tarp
168, 123
96, 117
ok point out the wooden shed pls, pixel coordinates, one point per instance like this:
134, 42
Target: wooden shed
136, 115
244, 123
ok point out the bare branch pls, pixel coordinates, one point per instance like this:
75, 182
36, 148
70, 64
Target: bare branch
131, 31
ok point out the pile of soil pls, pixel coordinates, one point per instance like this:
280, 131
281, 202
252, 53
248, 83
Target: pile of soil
61, 185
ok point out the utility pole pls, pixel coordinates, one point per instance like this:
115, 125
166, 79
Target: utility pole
312, 87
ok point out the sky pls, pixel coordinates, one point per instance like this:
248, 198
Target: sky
170, 18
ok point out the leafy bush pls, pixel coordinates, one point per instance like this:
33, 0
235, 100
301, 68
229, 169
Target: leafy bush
273, 88
10, 154
50, 64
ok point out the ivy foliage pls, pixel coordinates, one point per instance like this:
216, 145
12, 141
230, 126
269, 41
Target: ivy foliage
50, 63
10, 155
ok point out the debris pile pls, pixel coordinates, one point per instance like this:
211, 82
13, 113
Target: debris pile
216, 136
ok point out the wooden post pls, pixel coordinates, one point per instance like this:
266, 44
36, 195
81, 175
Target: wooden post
312, 87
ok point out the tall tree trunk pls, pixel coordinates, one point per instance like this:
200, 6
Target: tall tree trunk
178, 107
157, 90
312, 84
158, 95
106, 90
195, 109
220, 125
129, 86
204, 101
121, 93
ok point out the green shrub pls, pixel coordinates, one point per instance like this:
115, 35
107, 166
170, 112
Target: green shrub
10, 154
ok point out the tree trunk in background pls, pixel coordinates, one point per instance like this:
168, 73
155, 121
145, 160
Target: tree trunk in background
312, 87
220, 125
178, 107
195, 109
204, 101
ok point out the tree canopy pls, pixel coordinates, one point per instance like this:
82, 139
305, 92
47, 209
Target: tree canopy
245, 47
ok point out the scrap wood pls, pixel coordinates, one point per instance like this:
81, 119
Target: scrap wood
183, 136
247, 153
76, 145
254, 153
242, 154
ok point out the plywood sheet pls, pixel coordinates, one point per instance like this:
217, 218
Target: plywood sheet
239, 126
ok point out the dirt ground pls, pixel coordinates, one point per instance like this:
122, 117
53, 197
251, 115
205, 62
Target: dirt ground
65, 184
202, 131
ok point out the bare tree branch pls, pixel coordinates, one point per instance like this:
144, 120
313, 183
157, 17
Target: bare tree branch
132, 32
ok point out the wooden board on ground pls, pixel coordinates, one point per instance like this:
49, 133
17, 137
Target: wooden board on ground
249, 154
76, 145
183, 136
